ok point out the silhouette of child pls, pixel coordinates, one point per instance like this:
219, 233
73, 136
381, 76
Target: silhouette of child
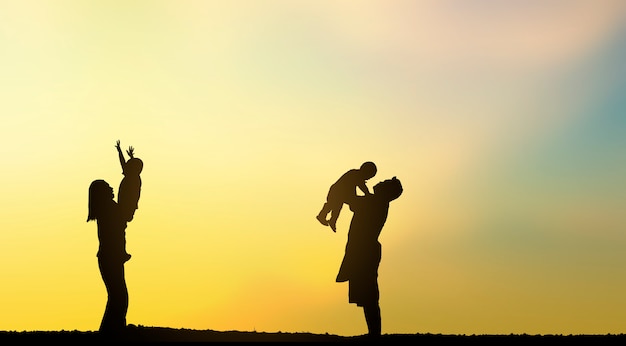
343, 190
130, 186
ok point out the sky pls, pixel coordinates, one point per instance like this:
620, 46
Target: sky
505, 121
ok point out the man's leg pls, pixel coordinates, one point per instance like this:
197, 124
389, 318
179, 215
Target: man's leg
372, 318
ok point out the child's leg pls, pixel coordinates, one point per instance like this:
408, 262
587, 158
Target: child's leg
321, 217
334, 215
126, 254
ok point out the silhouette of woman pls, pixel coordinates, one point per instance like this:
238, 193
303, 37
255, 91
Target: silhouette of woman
363, 251
111, 255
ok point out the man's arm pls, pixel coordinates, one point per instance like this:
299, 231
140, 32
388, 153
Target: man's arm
355, 202
364, 188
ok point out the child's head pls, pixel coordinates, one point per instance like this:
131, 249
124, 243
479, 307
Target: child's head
133, 166
368, 169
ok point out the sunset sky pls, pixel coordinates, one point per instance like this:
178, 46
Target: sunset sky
505, 121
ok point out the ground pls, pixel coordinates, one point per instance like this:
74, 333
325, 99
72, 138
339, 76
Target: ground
162, 334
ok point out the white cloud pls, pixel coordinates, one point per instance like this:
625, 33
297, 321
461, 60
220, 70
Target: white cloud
515, 34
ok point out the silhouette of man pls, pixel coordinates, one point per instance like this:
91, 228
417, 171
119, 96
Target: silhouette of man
363, 251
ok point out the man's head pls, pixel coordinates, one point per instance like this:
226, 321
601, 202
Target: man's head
389, 189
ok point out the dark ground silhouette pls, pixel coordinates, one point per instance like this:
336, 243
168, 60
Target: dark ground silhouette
162, 334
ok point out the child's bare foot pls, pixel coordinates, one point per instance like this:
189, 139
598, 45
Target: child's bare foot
322, 220
332, 224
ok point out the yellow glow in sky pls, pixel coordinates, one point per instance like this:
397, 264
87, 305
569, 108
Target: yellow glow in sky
244, 113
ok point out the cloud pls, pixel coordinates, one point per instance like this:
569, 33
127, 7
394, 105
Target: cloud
514, 34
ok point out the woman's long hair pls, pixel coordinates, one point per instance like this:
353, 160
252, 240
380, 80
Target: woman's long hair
99, 194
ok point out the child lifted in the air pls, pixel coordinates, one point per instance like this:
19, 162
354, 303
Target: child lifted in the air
130, 186
342, 190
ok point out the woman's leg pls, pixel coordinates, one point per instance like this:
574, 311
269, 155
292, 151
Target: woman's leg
114, 318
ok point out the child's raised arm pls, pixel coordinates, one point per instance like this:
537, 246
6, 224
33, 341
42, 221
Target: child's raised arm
120, 154
130, 152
